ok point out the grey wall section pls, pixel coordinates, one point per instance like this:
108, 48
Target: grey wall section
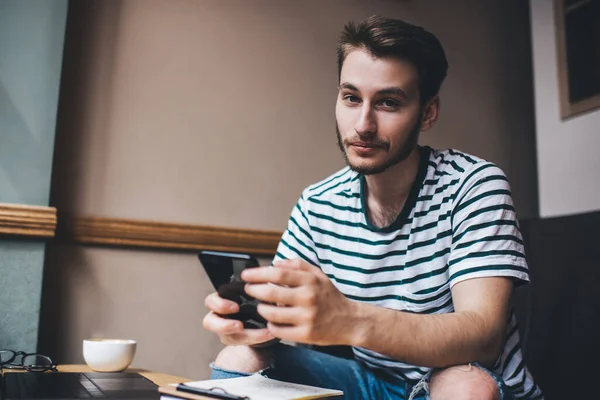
31, 39
20, 291
31, 48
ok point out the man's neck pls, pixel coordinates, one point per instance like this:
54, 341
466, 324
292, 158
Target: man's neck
387, 192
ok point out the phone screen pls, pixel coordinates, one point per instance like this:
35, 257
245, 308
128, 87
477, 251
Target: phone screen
224, 271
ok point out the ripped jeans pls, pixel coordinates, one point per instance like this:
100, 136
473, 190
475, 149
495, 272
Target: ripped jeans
355, 379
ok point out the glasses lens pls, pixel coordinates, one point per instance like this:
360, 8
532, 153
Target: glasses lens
6, 356
37, 362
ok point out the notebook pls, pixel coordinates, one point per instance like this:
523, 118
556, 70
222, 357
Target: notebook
254, 387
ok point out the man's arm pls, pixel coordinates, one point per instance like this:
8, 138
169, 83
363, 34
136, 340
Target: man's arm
474, 332
315, 312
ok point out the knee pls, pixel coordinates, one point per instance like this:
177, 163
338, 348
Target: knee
463, 382
243, 359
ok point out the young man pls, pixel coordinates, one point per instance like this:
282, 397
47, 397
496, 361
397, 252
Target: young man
409, 254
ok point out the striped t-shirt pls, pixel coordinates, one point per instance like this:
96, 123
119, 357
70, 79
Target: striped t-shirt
458, 223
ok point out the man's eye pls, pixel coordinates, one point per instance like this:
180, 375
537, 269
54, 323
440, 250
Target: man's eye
350, 98
389, 103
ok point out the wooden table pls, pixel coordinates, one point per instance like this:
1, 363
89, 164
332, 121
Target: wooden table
158, 378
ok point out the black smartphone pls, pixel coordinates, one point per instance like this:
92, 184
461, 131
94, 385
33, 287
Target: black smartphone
224, 271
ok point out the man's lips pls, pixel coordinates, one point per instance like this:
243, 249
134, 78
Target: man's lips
365, 149
364, 145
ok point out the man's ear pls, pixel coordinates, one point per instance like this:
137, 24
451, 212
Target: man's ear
430, 113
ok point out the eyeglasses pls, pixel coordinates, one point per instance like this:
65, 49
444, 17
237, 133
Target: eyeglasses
33, 362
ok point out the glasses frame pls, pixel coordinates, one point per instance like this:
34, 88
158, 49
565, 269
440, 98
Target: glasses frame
9, 364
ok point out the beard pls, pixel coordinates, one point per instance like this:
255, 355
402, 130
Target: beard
394, 158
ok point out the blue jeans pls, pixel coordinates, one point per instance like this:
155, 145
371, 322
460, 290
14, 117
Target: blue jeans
355, 379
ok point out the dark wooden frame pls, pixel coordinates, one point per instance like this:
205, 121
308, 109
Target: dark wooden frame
567, 108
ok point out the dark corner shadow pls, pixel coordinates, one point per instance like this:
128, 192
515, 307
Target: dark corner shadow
83, 55
85, 19
62, 266
564, 324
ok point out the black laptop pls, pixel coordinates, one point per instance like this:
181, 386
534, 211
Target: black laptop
70, 386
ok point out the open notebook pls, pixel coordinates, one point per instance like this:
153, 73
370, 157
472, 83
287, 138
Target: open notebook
254, 387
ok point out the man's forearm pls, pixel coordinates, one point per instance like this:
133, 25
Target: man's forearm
439, 340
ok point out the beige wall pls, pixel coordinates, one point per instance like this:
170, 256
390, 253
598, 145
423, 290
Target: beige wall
219, 113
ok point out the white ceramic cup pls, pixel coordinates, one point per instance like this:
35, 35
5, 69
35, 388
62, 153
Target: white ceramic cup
108, 355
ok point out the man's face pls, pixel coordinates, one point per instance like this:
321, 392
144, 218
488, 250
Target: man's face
378, 111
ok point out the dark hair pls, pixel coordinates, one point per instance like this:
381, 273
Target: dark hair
386, 37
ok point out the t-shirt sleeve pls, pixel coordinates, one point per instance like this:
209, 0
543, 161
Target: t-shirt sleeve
486, 239
297, 241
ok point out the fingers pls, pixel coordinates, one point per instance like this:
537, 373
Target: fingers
219, 305
221, 326
232, 332
292, 333
283, 315
297, 264
296, 296
284, 276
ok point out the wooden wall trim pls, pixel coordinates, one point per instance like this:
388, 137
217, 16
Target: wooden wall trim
166, 236
20, 220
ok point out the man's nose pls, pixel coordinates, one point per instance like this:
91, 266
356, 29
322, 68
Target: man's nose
366, 123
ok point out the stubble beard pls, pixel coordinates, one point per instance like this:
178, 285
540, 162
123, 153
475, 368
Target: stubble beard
393, 159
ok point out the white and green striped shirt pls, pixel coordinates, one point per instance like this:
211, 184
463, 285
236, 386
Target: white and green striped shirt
458, 223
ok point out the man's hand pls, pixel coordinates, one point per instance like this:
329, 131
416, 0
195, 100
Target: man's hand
230, 331
309, 307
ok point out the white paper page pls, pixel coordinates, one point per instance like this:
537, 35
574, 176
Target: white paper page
259, 387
